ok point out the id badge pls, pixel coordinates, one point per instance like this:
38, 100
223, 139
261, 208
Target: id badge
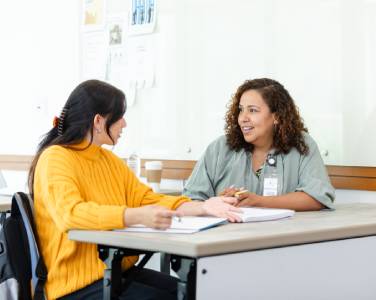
270, 186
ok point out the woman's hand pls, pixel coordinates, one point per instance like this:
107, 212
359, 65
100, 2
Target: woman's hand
248, 199
223, 207
230, 191
152, 216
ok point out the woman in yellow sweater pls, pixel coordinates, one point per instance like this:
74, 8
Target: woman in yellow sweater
77, 184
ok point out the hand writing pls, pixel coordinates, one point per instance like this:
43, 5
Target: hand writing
157, 217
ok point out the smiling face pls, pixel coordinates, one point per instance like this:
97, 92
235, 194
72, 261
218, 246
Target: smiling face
255, 119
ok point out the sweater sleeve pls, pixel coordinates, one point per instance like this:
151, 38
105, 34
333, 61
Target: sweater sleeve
61, 196
139, 194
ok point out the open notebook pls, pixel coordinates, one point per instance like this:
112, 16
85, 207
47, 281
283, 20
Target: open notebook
256, 214
195, 224
185, 225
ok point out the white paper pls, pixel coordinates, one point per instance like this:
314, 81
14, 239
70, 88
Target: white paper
141, 61
94, 49
116, 64
256, 214
186, 225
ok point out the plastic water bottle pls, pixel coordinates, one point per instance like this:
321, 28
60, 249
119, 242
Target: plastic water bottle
134, 163
270, 176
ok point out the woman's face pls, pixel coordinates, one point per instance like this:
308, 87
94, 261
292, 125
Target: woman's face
101, 137
255, 119
116, 130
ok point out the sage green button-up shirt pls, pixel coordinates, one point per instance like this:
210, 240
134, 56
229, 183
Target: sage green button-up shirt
220, 167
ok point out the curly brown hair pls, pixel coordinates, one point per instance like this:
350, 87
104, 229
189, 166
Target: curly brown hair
288, 132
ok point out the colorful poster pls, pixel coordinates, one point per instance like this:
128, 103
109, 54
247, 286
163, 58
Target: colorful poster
93, 14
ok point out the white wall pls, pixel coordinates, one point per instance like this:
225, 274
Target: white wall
322, 50
39, 59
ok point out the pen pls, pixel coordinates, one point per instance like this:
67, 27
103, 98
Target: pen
177, 218
237, 194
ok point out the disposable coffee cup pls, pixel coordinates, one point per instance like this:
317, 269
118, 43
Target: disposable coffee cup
153, 170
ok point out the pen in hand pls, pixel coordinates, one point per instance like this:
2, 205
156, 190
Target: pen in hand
237, 194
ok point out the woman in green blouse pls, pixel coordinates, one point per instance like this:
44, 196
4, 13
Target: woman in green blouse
267, 151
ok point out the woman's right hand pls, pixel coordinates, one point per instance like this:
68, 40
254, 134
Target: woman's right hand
222, 207
153, 216
230, 191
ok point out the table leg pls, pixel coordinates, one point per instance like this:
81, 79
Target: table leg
186, 270
112, 257
165, 263
107, 279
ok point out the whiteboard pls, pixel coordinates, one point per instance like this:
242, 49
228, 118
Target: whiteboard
323, 51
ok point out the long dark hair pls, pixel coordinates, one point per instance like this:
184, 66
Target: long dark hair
288, 132
89, 98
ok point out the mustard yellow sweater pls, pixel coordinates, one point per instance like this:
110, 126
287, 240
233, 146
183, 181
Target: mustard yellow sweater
88, 189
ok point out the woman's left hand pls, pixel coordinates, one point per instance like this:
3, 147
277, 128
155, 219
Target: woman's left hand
248, 199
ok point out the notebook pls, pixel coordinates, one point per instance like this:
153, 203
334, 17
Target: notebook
195, 224
186, 225
256, 214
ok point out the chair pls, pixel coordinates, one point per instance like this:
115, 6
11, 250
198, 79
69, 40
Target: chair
38, 269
